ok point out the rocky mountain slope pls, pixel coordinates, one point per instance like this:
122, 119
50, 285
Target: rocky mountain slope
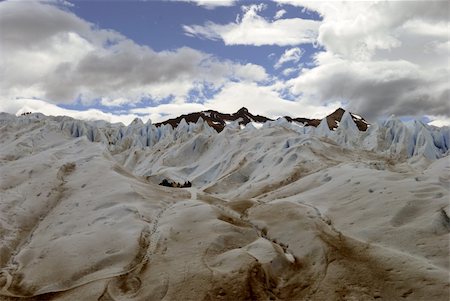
283, 211
243, 117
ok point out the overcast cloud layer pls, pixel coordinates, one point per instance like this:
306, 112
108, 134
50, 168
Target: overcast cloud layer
374, 58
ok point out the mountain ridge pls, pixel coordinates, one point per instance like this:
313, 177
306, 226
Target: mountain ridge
218, 120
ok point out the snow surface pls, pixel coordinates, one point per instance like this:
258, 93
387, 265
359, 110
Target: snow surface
256, 125
281, 212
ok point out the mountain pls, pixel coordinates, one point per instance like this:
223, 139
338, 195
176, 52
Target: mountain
282, 211
219, 120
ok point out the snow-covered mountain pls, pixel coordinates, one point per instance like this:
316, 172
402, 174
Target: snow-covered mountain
278, 209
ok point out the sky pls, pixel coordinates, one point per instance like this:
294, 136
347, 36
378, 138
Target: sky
118, 60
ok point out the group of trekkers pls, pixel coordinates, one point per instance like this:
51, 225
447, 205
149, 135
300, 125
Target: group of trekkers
174, 184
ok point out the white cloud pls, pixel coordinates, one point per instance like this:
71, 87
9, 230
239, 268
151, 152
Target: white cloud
290, 71
23, 105
358, 29
421, 27
250, 71
266, 100
290, 55
253, 29
116, 102
210, 4
68, 58
279, 14
163, 112
439, 120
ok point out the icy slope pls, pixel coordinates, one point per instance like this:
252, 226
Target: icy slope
391, 137
283, 212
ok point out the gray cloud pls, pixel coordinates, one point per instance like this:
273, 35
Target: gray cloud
55, 55
376, 88
381, 58
31, 25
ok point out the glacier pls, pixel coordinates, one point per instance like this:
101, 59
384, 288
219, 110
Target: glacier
391, 137
277, 211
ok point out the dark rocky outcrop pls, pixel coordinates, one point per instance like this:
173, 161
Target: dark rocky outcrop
361, 123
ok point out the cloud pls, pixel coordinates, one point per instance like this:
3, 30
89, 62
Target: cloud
163, 112
116, 102
250, 71
374, 88
253, 29
290, 71
23, 105
358, 29
266, 100
210, 4
56, 56
380, 58
280, 13
290, 55
439, 120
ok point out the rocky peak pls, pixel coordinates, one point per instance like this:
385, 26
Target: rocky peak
219, 120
